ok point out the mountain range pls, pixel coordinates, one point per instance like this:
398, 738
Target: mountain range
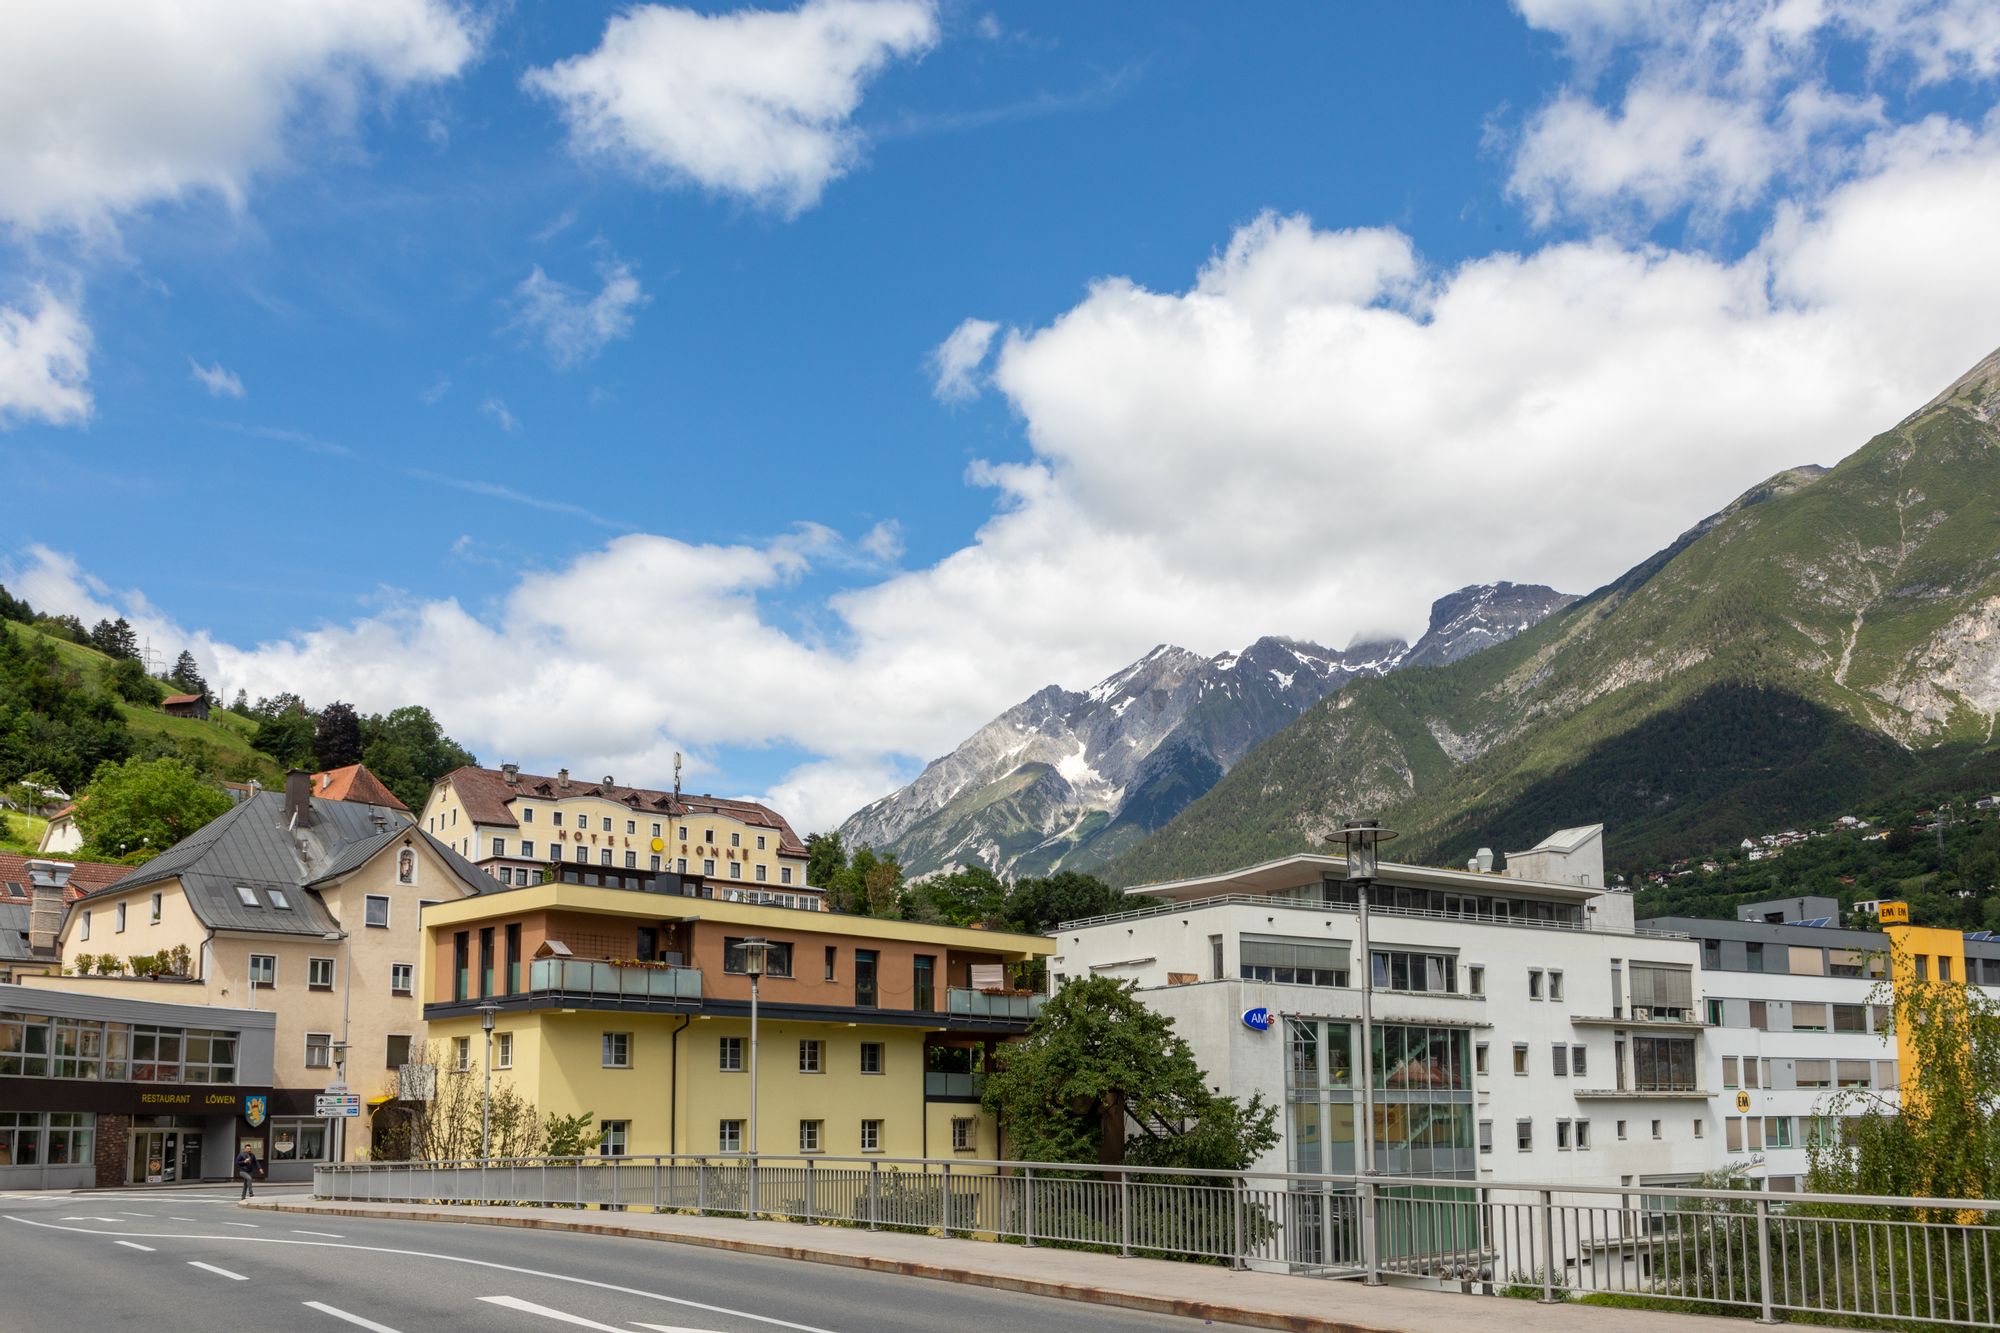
1830, 635
1073, 778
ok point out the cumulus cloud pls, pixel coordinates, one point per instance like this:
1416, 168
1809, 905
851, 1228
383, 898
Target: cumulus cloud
1714, 105
573, 326
754, 103
44, 362
108, 105
955, 362
219, 382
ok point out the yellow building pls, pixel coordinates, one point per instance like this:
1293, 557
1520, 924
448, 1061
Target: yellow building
515, 825
631, 1002
301, 906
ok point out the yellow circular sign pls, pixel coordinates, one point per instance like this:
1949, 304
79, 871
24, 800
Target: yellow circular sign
1742, 1101
659, 845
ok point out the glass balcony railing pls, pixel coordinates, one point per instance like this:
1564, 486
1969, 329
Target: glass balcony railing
578, 976
964, 1003
966, 1086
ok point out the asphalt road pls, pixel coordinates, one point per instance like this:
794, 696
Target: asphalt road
162, 1262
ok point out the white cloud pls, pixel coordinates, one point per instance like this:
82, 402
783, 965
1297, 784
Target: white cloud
883, 542
497, 409
752, 103
435, 392
572, 325
955, 361
44, 362
219, 382
111, 105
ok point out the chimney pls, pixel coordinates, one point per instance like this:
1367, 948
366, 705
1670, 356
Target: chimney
47, 880
562, 778
608, 781
511, 774
298, 797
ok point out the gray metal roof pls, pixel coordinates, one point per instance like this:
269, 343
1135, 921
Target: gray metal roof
251, 847
14, 933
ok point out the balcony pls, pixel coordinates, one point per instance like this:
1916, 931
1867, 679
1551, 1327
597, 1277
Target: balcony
1646, 1092
963, 1003
953, 1087
580, 976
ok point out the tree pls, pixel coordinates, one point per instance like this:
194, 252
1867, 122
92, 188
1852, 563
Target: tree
1038, 906
187, 676
869, 885
409, 752
241, 704
14, 608
114, 638
447, 1125
825, 858
62, 627
1098, 1065
337, 740
968, 897
129, 681
288, 738
141, 807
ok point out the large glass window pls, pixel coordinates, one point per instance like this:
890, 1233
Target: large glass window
1423, 1114
1290, 962
57, 1138
1397, 970
1663, 1064
298, 1139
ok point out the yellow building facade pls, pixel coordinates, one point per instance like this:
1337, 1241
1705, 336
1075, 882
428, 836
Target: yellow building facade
633, 1006
516, 825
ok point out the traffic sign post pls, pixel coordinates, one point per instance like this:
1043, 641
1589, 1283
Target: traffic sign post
338, 1105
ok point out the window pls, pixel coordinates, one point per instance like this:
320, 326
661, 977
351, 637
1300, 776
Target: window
612, 1140
118, 925
736, 870
461, 1053
729, 1055
631, 860
1715, 1013
1576, 1061
397, 1052
556, 819
461, 965
1562, 1135
736, 840
83, 931
527, 814
784, 874
1732, 1134
1728, 1071
871, 1136
247, 896
1923, 968
871, 1057
1521, 1057
811, 1053
1851, 1073
777, 958
1534, 983
1560, 1053
654, 866
759, 868
1656, 1129
832, 956
582, 855
1663, 1064
1850, 1018
1619, 1129
319, 1050
1749, 1071
1944, 968
617, 1050
1808, 1017
631, 826
503, 1050
708, 866
1777, 1131
1697, 1128
263, 971
1555, 985
606, 822
1524, 1136
708, 836
319, 974
1760, 1015
159, 900
298, 1139
1479, 1058
1395, 970
1475, 980
375, 909
499, 846
809, 1135
1814, 1073
1214, 954
760, 842
1662, 989
604, 856
680, 865
728, 1133
527, 849
961, 1134
1486, 1136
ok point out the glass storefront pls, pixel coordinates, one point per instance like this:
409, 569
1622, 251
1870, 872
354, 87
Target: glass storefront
38, 1046
46, 1138
1424, 1121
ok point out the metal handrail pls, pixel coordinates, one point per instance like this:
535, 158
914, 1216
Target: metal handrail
1320, 905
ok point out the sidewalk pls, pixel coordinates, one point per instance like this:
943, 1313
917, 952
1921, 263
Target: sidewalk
1263, 1300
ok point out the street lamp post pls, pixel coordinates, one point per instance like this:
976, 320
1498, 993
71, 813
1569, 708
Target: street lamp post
754, 951
1362, 836
486, 1012
346, 942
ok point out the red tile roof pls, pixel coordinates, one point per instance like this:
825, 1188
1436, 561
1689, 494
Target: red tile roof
180, 699
485, 793
88, 877
355, 783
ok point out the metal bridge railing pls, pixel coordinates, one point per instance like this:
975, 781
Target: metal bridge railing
1854, 1256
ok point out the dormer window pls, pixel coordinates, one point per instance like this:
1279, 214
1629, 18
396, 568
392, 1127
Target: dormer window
247, 896
279, 900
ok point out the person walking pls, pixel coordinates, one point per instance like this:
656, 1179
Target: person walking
246, 1167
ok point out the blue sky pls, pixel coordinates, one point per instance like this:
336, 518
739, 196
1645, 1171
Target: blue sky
575, 371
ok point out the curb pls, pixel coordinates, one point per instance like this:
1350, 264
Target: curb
1070, 1291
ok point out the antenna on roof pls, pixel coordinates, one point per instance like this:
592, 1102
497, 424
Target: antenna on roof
677, 775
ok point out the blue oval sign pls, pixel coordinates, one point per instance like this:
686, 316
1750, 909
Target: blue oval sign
1257, 1019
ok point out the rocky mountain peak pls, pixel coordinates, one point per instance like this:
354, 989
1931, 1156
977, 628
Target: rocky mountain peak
1480, 616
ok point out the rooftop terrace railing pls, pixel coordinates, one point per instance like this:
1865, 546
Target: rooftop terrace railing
1853, 1257
583, 976
1321, 905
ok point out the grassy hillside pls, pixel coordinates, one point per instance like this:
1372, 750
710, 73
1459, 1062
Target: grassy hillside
1825, 636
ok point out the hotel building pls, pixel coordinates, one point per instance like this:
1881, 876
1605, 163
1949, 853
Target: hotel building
627, 995
516, 825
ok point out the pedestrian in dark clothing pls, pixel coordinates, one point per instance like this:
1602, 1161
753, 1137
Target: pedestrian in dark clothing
246, 1167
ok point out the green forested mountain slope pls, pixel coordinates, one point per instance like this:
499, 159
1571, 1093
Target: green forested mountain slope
1830, 633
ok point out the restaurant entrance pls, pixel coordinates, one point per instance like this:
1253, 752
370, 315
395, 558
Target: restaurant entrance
162, 1156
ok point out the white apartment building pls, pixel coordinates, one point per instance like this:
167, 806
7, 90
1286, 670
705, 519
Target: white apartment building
1524, 1030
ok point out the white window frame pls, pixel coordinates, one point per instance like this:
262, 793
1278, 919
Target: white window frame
118, 920
312, 973
615, 1138
616, 1043
409, 971
871, 1135
270, 970
881, 1051
461, 1054
812, 1136
729, 1136
503, 1050
963, 1138
725, 1047
83, 925
325, 1041
812, 1055
158, 908
368, 910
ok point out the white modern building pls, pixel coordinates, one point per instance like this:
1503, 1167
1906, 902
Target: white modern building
1524, 1030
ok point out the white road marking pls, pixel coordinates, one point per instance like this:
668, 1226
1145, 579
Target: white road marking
251, 1225
450, 1259
122, 1213
172, 1218
219, 1272
670, 1328
330, 1235
134, 1245
112, 1220
560, 1316
354, 1319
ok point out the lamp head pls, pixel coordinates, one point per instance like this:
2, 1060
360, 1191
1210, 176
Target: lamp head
1362, 836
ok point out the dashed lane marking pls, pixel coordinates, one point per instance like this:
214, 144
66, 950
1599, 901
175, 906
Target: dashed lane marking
330, 1235
135, 1245
353, 1319
219, 1272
